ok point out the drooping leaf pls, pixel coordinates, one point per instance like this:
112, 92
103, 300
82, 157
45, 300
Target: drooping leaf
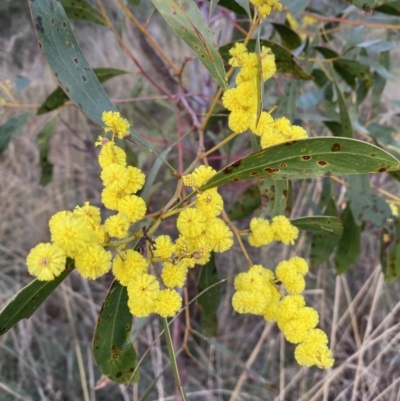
327, 52
274, 196
112, 348
285, 61
290, 39
312, 157
350, 70
81, 10
287, 102
188, 23
28, 299
345, 122
69, 65
245, 203
12, 127
369, 208
350, 243
327, 224
390, 250
379, 82
213, 4
367, 5
324, 243
58, 97
393, 8
240, 7
43, 141
210, 299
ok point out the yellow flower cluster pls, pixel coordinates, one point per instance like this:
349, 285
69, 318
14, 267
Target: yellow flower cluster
201, 232
257, 293
266, 6
115, 124
262, 232
242, 100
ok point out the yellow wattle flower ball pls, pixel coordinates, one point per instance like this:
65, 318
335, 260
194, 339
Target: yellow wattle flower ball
93, 262
110, 153
174, 275
168, 303
295, 284
230, 99
71, 234
297, 132
115, 176
117, 226
249, 302
88, 214
143, 291
115, 123
164, 248
237, 52
271, 137
268, 65
271, 311
127, 269
46, 261
191, 222
299, 264
264, 125
261, 232
133, 207
112, 197
210, 203
239, 121
202, 174
135, 181
283, 230
246, 94
218, 235
310, 353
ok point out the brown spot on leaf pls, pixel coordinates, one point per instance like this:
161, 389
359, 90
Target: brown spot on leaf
76, 61
118, 374
227, 170
322, 163
271, 170
64, 24
283, 165
305, 157
382, 169
236, 163
336, 147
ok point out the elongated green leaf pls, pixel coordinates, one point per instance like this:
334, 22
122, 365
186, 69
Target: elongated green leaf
285, 61
188, 23
367, 5
245, 203
290, 39
327, 224
313, 157
349, 70
369, 208
43, 140
209, 301
392, 9
349, 245
324, 243
287, 102
28, 299
347, 129
390, 250
379, 82
274, 196
112, 349
58, 97
12, 127
81, 10
68, 63
240, 7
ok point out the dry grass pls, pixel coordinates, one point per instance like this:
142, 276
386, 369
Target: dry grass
49, 357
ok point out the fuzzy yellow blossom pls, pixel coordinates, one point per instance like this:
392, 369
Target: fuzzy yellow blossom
264, 124
284, 230
202, 174
127, 269
46, 261
164, 248
297, 132
135, 180
88, 214
271, 310
115, 176
174, 275
117, 225
237, 52
239, 120
261, 232
71, 234
299, 264
191, 222
133, 207
268, 66
115, 124
112, 197
168, 303
93, 262
219, 235
210, 203
249, 302
314, 351
143, 291
111, 154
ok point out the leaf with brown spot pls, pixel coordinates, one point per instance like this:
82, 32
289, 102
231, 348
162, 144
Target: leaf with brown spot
325, 224
343, 155
187, 22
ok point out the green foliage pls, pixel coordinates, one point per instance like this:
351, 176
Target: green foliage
12, 127
43, 141
81, 10
314, 157
390, 250
112, 348
28, 299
